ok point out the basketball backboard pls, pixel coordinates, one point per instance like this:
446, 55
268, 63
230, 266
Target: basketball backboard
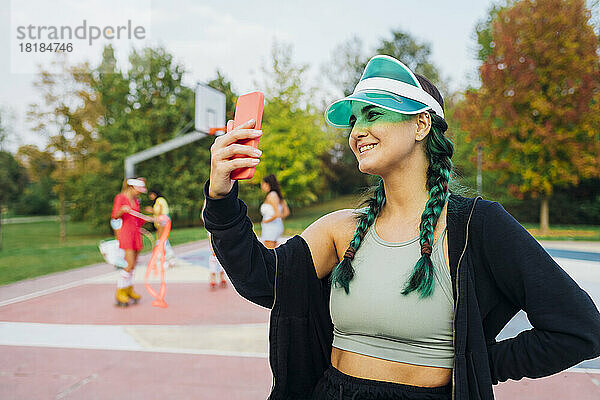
210, 108
210, 114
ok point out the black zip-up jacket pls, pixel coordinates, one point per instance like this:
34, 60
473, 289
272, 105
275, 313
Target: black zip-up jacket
497, 269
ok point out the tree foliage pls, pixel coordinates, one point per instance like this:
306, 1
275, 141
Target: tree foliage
295, 138
57, 117
142, 107
483, 31
222, 84
12, 178
114, 113
412, 53
536, 112
349, 59
38, 197
346, 66
12, 182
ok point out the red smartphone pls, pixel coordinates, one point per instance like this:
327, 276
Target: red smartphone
249, 106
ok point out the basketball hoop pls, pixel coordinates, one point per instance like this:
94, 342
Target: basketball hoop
213, 131
209, 112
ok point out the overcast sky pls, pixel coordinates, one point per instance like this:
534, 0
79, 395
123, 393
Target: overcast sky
236, 37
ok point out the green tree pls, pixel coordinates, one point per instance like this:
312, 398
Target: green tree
295, 138
141, 107
38, 195
537, 110
54, 118
103, 104
344, 69
483, 31
414, 54
115, 113
12, 182
349, 59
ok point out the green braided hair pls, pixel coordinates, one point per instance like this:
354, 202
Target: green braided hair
343, 273
439, 151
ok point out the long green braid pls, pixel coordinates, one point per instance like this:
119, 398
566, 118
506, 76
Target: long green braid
343, 273
439, 150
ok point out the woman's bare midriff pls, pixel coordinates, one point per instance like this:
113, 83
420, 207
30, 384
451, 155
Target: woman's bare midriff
361, 366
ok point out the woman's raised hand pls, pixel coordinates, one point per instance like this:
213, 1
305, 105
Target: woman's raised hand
222, 151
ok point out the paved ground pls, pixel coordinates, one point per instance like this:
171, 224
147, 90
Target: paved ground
61, 337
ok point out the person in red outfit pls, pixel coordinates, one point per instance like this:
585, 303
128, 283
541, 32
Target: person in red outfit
130, 237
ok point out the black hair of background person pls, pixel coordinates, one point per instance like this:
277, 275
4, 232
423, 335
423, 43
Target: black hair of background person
271, 180
157, 193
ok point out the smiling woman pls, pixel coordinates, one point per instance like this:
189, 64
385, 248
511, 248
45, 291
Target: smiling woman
405, 297
383, 123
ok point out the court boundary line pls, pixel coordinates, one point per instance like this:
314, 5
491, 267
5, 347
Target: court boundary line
165, 350
70, 285
53, 289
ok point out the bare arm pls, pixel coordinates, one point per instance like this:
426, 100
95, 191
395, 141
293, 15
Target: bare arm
286, 210
122, 210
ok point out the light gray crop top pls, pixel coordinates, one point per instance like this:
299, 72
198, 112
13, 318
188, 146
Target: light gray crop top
376, 320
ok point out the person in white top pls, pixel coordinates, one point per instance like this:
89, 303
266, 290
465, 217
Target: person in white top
273, 210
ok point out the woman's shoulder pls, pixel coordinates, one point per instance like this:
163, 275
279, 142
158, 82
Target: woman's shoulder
458, 204
120, 196
325, 235
272, 195
337, 226
346, 216
485, 215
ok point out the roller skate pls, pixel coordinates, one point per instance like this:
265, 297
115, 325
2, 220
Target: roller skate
122, 297
132, 294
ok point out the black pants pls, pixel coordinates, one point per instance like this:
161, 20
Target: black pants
335, 385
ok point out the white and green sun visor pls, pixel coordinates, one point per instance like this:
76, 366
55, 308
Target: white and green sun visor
386, 83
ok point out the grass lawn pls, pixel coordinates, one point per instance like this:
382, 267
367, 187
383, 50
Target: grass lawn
566, 232
33, 249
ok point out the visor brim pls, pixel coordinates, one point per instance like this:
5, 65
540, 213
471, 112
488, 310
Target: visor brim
338, 114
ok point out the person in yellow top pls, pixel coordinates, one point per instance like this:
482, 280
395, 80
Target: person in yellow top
161, 207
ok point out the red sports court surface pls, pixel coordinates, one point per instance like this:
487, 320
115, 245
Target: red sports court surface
32, 372
189, 304
75, 344
51, 373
